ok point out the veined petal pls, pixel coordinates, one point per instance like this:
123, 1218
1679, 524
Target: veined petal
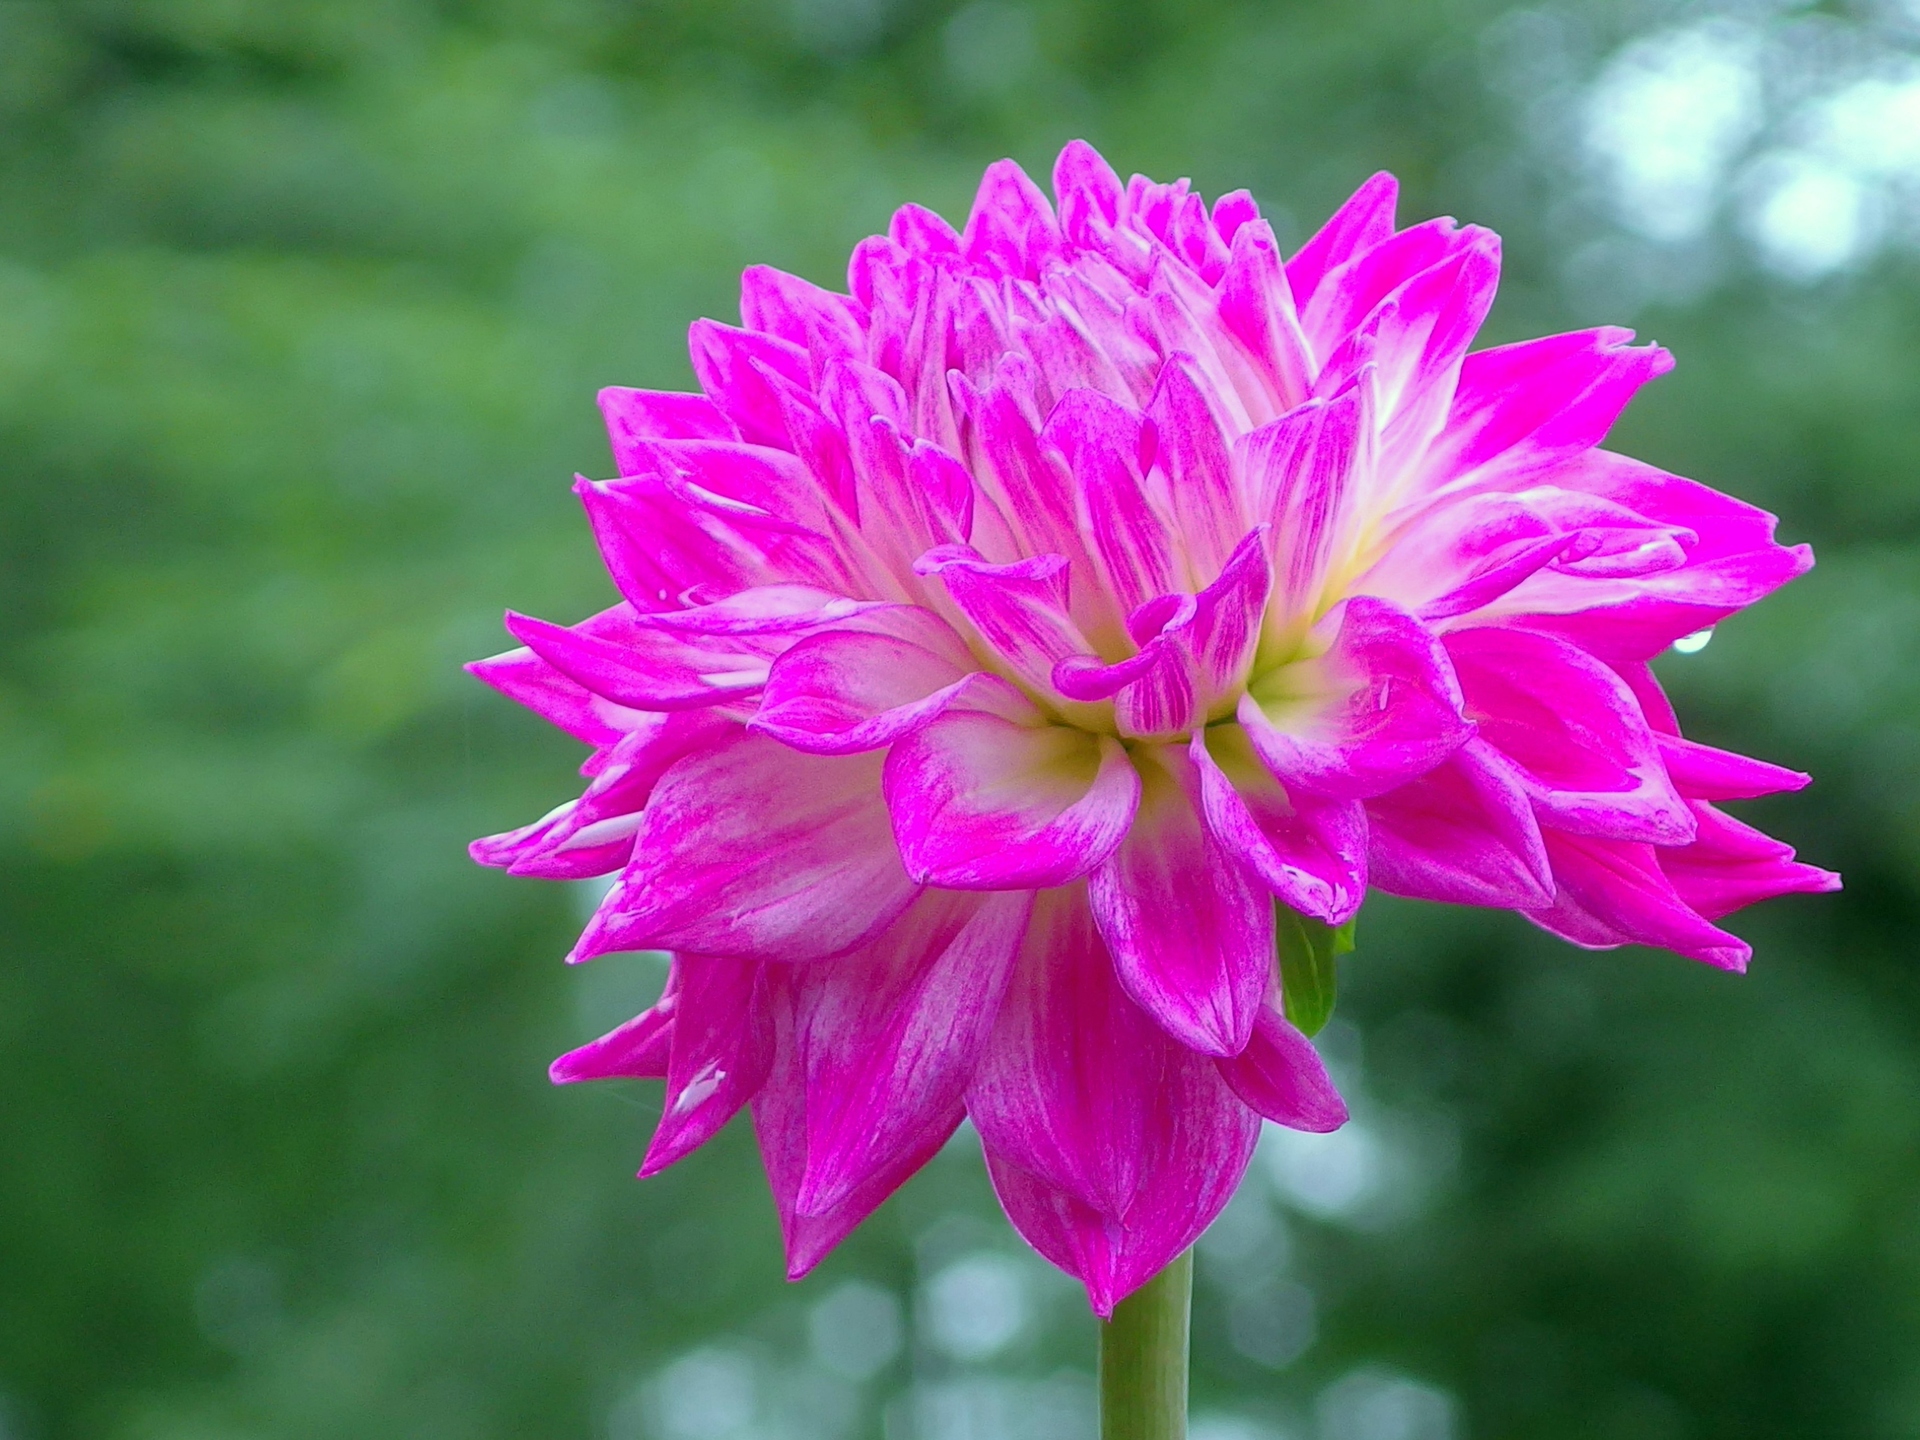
721, 1051
885, 1039
523, 676
1011, 226
1256, 308
751, 848
1078, 1089
1310, 852
1189, 925
1019, 611
1377, 709
1281, 1076
1573, 733
1464, 833
992, 799
1190, 456
817, 321
1300, 473
732, 366
1132, 543
865, 682
1088, 194
636, 665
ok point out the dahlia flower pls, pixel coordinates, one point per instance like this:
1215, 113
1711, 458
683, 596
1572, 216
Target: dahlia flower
1015, 651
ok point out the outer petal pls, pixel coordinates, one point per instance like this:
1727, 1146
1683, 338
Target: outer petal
1190, 927
523, 676
1464, 833
721, 1051
1364, 221
996, 798
1701, 772
1732, 865
1574, 733
865, 682
884, 1040
1281, 1076
1311, 853
753, 849
637, 1050
1378, 709
1080, 1098
635, 418
1613, 892
594, 834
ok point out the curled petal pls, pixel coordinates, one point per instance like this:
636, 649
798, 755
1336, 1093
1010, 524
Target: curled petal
864, 683
995, 798
1378, 709
1310, 852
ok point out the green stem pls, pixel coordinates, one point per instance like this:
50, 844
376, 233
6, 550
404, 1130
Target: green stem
1143, 1359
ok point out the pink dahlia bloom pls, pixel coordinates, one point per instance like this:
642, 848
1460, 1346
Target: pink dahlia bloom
1001, 641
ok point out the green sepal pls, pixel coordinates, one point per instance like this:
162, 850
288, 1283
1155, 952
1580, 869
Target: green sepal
1308, 984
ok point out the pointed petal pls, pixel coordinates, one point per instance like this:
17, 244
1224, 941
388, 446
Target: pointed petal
721, 1052
1701, 772
1079, 1089
1613, 892
1362, 222
1190, 456
637, 1050
1256, 307
1100, 440
1019, 611
885, 1039
1190, 928
1281, 1076
1732, 865
1088, 193
733, 366
989, 801
799, 312
525, 678
637, 417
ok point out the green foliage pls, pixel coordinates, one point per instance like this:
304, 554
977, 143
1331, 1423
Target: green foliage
1309, 983
302, 309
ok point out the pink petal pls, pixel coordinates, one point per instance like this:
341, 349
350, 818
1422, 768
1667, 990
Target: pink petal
1574, 734
865, 682
991, 801
1701, 772
750, 848
1281, 1076
721, 1052
640, 666
594, 834
1613, 892
1132, 544
637, 1050
1383, 708
523, 676
1019, 611
1519, 408
885, 1040
1732, 865
1311, 853
1300, 471
1190, 456
1464, 833
733, 367
1088, 193
1011, 226
1363, 221
1351, 292
1078, 1089
1190, 927
802, 314
635, 418
1256, 308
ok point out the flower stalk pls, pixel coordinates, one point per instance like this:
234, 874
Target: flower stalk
1143, 1358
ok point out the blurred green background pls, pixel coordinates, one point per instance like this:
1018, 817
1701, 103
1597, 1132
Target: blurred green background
303, 304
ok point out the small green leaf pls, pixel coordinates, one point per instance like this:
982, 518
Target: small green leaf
1307, 981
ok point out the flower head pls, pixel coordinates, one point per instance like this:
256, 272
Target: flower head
1001, 641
